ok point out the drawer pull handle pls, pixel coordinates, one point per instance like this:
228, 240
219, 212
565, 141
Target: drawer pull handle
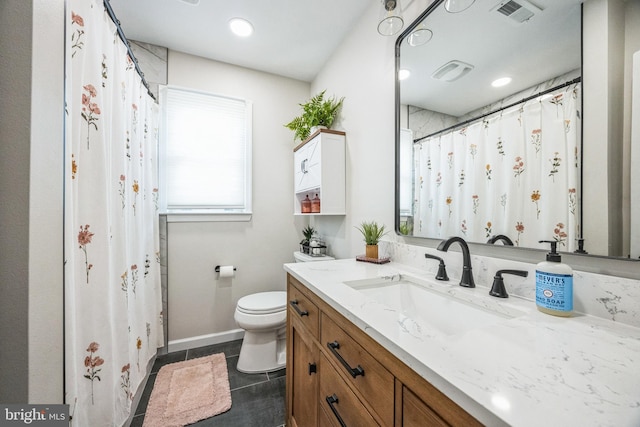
294, 304
334, 346
313, 368
331, 400
303, 166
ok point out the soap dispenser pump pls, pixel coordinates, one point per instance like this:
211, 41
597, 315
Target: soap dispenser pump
554, 284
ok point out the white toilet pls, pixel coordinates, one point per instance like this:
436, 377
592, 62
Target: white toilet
263, 316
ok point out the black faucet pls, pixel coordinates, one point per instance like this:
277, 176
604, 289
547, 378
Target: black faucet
442, 270
467, 274
506, 240
498, 289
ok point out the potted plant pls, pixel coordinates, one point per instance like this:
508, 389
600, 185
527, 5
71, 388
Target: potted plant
318, 111
308, 233
372, 232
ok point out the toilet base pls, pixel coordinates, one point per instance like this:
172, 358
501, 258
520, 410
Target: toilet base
263, 351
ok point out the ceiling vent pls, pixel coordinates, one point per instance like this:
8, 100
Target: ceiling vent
518, 11
452, 71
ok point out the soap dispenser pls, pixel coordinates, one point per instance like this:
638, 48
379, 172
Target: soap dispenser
305, 205
315, 204
554, 284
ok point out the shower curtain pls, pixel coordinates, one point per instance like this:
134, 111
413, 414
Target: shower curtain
516, 173
113, 308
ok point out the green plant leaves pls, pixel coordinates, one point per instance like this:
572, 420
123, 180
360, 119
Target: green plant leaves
318, 111
372, 232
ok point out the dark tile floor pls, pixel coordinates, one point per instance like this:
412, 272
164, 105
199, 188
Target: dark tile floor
256, 399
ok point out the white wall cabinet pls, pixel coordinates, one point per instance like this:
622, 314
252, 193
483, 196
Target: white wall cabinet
319, 169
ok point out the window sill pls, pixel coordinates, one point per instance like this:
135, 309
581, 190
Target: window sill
207, 216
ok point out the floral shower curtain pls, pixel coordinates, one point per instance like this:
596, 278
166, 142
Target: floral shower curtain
113, 308
515, 173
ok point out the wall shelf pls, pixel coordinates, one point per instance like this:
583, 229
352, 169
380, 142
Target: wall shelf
319, 168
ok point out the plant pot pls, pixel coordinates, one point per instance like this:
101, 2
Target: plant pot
305, 249
372, 251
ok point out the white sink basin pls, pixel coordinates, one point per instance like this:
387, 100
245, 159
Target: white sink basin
437, 309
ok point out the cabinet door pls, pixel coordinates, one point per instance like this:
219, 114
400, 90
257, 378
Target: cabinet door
302, 369
307, 166
415, 413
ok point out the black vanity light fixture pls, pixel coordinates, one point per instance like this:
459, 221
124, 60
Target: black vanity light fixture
390, 21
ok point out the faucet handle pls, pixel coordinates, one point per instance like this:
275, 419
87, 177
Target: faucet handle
498, 289
442, 269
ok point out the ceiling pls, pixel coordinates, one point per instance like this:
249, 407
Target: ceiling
292, 38
542, 48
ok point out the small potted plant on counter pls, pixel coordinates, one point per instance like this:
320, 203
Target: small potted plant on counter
317, 112
372, 232
305, 243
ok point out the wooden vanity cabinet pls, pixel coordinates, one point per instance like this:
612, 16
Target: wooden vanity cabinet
388, 393
302, 360
415, 413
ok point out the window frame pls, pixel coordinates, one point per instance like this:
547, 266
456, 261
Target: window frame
207, 214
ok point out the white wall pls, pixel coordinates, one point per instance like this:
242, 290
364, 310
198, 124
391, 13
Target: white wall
15, 70
31, 285
631, 224
46, 345
199, 303
363, 70
603, 23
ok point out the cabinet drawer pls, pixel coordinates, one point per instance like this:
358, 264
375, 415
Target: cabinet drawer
302, 308
361, 369
339, 402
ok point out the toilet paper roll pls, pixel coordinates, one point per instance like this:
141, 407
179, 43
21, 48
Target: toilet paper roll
226, 271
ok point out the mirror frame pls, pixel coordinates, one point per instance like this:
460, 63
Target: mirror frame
614, 266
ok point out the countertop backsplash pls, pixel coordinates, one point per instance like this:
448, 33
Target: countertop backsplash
608, 297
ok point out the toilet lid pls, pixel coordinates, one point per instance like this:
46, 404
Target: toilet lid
263, 302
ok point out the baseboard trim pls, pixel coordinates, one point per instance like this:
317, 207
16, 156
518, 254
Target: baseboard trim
203, 340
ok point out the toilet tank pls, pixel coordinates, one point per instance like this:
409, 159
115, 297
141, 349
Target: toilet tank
300, 257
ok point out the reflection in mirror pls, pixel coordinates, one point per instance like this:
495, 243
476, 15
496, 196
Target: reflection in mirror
477, 160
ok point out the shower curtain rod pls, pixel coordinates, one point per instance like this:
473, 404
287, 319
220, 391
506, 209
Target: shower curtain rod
124, 39
522, 101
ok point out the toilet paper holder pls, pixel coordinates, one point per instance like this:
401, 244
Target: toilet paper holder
217, 269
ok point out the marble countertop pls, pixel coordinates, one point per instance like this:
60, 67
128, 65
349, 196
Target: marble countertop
531, 370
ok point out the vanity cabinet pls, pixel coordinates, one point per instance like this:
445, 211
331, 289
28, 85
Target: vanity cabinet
319, 169
356, 381
302, 360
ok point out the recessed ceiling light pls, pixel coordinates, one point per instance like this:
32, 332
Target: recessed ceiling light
403, 74
241, 27
501, 82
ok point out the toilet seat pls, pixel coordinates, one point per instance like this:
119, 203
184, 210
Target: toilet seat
263, 303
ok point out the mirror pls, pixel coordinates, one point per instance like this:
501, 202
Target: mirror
516, 162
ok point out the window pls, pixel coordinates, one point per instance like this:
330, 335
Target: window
205, 160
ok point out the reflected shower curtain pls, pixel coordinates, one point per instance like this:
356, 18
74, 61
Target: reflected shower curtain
113, 307
516, 173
